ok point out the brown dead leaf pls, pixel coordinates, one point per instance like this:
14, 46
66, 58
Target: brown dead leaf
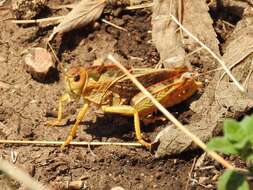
210, 113
82, 14
166, 36
164, 33
197, 20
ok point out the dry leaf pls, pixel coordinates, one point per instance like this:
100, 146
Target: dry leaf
164, 33
82, 14
166, 36
209, 114
199, 22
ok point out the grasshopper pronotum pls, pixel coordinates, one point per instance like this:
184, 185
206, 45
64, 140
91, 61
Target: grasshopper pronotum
108, 88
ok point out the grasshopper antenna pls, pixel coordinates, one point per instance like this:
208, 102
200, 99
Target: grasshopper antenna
61, 65
210, 71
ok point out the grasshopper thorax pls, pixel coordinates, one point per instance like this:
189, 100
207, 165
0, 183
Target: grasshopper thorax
75, 81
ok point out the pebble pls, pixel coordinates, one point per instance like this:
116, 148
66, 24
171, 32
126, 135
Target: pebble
117, 188
203, 180
26, 132
38, 62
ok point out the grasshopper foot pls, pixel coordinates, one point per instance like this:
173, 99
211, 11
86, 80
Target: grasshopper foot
71, 136
54, 123
150, 146
67, 142
144, 143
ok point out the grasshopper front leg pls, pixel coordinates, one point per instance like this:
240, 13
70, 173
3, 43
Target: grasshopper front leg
74, 128
58, 121
129, 111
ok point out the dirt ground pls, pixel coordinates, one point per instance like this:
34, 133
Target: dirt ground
25, 105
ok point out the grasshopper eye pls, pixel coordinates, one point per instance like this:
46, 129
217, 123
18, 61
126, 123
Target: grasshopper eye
76, 78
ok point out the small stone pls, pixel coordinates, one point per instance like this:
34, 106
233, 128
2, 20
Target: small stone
209, 186
38, 62
117, 188
2, 59
215, 177
76, 185
26, 132
203, 180
96, 26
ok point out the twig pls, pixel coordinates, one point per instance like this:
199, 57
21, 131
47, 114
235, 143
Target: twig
114, 25
223, 74
142, 6
58, 18
206, 168
239, 86
193, 52
169, 116
190, 173
180, 18
133, 7
71, 143
68, 6
35, 21
21, 176
248, 76
92, 153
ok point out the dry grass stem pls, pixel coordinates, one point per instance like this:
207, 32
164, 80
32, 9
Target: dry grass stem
190, 174
227, 70
193, 52
36, 21
169, 116
68, 6
71, 143
58, 19
245, 84
21, 176
142, 6
114, 25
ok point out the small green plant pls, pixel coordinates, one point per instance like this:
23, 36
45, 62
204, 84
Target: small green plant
237, 140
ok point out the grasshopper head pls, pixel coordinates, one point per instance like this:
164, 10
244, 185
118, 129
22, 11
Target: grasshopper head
75, 81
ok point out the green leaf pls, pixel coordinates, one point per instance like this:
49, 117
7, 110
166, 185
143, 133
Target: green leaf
231, 130
232, 180
244, 149
244, 143
222, 145
247, 125
249, 157
250, 168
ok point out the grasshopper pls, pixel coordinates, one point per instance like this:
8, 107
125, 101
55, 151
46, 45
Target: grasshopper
113, 92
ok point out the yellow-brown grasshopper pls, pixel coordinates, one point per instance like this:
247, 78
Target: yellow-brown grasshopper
113, 92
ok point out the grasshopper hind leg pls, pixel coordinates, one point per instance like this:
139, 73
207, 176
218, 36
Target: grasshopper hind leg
74, 128
129, 111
